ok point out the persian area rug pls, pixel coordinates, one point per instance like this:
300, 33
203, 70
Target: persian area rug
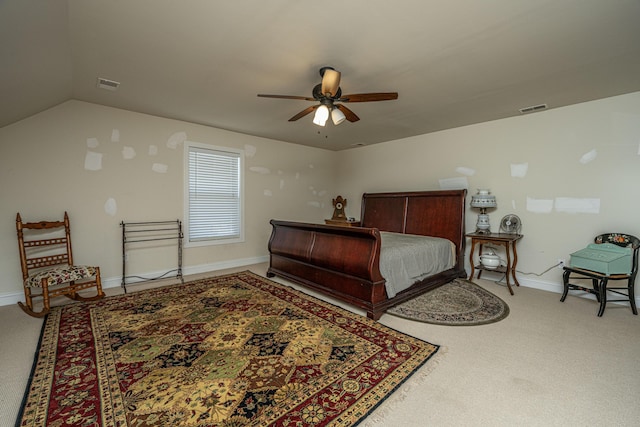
235, 350
458, 303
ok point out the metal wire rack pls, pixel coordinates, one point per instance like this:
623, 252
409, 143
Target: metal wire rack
144, 235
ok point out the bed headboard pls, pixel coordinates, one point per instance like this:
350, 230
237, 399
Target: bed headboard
427, 213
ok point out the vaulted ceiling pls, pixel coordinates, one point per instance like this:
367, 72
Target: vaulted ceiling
452, 62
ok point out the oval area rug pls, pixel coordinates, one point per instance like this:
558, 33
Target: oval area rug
458, 303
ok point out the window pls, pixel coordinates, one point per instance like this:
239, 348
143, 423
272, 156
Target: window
213, 195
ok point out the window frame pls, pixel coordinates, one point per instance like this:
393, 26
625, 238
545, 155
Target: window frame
188, 145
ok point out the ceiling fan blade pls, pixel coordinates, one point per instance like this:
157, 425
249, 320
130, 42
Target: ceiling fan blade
304, 98
368, 97
303, 113
330, 82
350, 115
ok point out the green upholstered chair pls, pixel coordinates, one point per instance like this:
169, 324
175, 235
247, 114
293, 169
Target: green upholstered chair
600, 281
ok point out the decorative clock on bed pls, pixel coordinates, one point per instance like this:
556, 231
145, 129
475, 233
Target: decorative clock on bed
355, 264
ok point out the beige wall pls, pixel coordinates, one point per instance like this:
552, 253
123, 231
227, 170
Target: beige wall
585, 151
43, 173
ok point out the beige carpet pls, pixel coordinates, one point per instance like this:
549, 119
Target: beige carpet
537, 367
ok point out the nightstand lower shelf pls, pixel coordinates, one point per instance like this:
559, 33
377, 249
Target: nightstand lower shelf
482, 268
501, 239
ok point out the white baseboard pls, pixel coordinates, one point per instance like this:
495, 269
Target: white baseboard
547, 286
114, 282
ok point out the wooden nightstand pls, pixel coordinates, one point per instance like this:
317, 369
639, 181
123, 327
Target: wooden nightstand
342, 223
503, 239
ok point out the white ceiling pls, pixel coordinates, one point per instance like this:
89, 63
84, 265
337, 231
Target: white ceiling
453, 62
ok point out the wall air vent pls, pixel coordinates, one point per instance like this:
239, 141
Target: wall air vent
533, 108
107, 84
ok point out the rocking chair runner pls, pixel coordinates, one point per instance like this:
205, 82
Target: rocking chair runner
47, 263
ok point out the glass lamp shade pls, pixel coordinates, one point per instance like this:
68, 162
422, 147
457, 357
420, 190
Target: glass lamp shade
337, 116
321, 116
484, 199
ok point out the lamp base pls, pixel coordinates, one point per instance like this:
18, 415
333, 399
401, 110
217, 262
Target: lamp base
483, 226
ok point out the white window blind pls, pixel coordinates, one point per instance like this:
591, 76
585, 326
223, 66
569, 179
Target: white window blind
214, 195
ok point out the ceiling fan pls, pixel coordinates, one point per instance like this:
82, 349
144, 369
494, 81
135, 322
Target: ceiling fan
330, 98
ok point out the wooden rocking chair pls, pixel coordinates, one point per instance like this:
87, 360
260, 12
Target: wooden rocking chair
47, 264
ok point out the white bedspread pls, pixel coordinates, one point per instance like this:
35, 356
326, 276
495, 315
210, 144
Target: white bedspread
407, 258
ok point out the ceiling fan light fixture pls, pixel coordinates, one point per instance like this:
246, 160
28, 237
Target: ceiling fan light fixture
337, 116
321, 116
327, 94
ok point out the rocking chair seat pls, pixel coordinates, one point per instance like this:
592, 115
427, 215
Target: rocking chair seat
60, 275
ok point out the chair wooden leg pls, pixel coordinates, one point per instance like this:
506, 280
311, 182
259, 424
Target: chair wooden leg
99, 292
28, 299
632, 296
46, 302
28, 306
565, 283
603, 296
596, 288
74, 296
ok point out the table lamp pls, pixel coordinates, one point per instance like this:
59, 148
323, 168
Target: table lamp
483, 200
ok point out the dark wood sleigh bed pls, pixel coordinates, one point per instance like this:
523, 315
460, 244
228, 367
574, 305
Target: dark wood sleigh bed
344, 262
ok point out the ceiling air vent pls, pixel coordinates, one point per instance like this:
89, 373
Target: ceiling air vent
107, 84
533, 108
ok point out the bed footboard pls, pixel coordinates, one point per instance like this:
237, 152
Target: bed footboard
340, 261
